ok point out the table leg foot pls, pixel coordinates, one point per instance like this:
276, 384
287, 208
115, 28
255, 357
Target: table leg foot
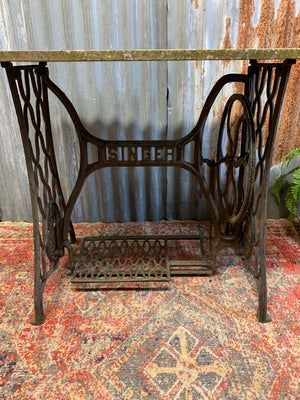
37, 320
263, 317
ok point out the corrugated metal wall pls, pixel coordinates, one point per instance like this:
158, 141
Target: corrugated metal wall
146, 100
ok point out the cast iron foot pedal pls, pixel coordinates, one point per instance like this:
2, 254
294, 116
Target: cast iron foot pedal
122, 259
136, 259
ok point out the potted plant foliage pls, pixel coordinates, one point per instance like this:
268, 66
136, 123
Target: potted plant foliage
287, 191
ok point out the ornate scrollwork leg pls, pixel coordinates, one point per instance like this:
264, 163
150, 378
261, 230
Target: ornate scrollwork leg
235, 176
30, 95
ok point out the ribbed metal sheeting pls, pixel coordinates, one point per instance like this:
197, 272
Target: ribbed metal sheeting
114, 100
203, 26
135, 100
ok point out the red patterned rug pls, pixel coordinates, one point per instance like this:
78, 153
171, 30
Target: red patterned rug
191, 338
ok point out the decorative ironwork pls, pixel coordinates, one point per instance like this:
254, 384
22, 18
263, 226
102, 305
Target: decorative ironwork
136, 259
51, 232
126, 153
235, 186
234, 182
30, 95
120, 259
267, 83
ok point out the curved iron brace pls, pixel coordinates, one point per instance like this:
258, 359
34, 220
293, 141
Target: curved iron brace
241, 229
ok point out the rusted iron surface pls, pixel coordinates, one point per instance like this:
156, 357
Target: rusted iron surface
269, 24
233, 182
143, 258
122, 259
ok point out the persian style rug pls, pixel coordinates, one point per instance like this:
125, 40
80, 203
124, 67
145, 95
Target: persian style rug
190, 338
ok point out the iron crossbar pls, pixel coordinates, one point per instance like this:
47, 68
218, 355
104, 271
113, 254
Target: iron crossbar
233, 181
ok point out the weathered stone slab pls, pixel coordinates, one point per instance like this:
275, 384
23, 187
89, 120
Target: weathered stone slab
148, 55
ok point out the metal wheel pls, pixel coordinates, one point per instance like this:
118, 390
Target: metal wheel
235, 165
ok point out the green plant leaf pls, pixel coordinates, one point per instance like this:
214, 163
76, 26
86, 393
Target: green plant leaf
293, 193
292, 199
295, 186
277, 185
290, 156
290, 203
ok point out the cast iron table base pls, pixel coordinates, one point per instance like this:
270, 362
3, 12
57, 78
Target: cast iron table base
234, 182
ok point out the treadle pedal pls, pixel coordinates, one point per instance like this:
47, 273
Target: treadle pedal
107, 259
190, 267
122, 259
